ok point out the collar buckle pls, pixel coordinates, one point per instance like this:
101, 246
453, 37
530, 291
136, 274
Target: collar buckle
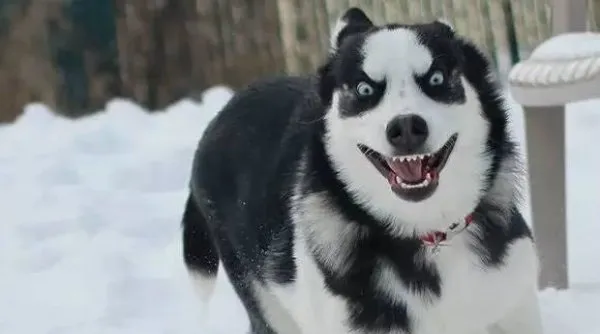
436, 240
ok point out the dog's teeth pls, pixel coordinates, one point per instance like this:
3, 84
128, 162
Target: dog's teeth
411, 158
423, 183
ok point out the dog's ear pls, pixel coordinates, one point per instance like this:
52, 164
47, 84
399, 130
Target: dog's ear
479, 72
445, 24
353, 21
444, 27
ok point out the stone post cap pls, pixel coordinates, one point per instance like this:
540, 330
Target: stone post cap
562, 69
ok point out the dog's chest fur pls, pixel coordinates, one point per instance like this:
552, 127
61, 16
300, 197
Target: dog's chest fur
351, 281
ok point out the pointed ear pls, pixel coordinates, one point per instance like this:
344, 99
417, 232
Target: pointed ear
445, 26
444, 22
480, 72
353, 21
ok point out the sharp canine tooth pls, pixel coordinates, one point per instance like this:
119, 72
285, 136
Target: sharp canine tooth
399, 180
410, 158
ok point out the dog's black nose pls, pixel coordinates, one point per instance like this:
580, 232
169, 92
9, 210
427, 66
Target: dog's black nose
407, 133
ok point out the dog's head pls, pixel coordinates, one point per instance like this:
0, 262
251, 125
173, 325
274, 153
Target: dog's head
415, 123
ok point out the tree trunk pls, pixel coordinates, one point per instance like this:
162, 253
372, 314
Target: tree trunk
174, 48
59, 53
82, 48
305, 29
154, 55
25, 72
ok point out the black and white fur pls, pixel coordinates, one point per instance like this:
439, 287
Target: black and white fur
310, 233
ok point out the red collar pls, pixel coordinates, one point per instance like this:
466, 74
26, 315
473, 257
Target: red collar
438, 237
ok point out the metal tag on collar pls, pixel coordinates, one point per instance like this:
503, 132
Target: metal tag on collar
442, 239
455, 229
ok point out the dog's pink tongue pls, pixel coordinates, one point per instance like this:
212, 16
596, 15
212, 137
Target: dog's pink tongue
409, 171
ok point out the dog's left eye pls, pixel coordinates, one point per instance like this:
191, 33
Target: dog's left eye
364, 89
437, 78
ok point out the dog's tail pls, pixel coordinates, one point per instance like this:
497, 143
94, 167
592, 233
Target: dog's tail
199, 252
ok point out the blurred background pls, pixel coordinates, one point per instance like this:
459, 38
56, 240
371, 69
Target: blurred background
102, 103
75, 55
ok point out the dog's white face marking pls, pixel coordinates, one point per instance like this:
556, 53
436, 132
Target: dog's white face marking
398, 57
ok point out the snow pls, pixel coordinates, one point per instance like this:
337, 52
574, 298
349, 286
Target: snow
568, 46
89, 240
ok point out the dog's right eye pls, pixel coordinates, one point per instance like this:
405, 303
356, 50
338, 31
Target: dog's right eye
437, 78
363, 89
365, 94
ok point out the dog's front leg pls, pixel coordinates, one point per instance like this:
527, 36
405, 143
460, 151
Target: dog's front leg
524, 319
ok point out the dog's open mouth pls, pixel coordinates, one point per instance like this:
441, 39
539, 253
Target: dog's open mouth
412, 177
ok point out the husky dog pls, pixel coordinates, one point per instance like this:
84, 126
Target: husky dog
379, 195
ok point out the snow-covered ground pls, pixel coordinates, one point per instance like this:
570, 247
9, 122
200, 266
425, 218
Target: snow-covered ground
90, 211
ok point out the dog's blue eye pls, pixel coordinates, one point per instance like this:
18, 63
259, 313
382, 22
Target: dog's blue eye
437, 78
364, 89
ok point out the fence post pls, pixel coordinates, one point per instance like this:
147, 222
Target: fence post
569, 16
545, 130
511, 31
169, 50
